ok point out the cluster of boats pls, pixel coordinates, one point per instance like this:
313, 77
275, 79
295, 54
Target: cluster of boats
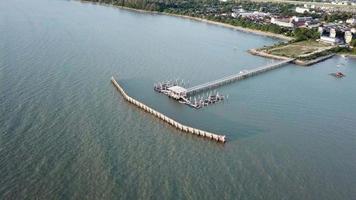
175, 90
162, 87
201, 102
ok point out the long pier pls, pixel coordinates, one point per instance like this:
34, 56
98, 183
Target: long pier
172, 122
236, 77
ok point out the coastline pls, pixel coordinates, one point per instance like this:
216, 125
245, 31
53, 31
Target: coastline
267, 55
247, 30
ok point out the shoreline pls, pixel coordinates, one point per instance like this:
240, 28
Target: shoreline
347, 55
266, 55
238, 28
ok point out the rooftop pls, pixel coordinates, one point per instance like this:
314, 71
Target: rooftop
177, 89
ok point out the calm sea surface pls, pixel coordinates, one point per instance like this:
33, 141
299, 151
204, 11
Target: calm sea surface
66, 133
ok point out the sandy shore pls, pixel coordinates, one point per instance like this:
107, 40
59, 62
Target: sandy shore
257, 32
267, 55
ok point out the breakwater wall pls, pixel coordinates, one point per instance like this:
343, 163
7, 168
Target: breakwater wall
312, 62
297, 61
172, 122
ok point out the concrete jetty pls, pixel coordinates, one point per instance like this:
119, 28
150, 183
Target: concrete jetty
172, 122
235, 77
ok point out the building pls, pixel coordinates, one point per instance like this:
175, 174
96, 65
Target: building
336, 34
351, 21
252, 15
177, 92
294, 22
283, 22
350, 35
340, 2
302, 10
312, 24
302, 19
238, 10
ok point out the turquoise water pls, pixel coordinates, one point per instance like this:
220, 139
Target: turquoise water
66, 133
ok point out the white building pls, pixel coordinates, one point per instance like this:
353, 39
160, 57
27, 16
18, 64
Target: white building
177, 92
312, 24
254, 14
284, 22
302, 19
301, 10
293, 21
351, 21
348, 37
242, 13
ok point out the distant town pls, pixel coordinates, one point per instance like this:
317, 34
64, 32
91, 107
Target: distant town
313, 29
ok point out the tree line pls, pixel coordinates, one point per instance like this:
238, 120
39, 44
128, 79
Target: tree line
212, 10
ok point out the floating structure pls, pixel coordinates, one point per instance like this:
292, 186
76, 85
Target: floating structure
184, 128
179, 93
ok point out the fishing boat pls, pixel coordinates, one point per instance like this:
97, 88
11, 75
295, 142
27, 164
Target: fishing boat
339, 74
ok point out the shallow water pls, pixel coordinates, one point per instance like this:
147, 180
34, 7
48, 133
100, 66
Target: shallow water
66, 133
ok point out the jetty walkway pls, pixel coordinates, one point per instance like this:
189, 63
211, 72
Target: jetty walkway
235, 77
172, 122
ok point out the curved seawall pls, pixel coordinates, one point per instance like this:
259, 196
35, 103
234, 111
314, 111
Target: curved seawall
172, 122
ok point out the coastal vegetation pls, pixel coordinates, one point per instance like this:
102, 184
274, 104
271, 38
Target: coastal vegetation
215, 10
346, 51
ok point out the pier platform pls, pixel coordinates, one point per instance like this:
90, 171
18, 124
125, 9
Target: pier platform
235, 77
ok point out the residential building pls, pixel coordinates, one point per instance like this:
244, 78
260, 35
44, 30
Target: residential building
351, 21
242, 13
336, 33
350, 35
284, 22
294, 22
302, 10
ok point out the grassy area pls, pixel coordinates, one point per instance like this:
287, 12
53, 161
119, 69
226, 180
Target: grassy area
298, 49
346, 51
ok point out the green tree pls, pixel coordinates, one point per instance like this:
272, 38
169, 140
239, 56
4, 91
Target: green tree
353, 43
